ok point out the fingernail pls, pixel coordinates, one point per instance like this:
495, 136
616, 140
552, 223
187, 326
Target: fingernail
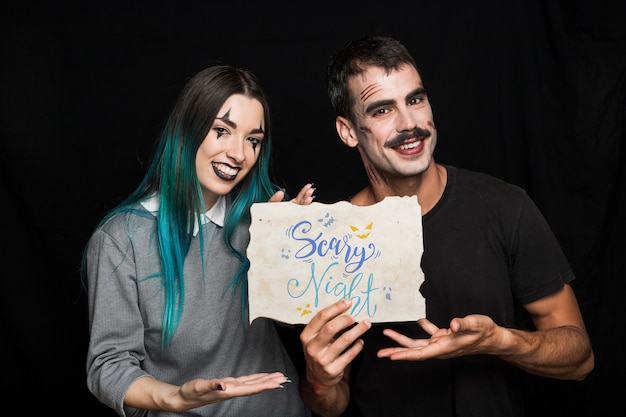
219, 387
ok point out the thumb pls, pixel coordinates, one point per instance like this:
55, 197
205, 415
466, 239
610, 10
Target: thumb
277, 197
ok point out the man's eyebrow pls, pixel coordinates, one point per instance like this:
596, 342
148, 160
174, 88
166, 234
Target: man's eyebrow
416, 92
379, 103
382, 103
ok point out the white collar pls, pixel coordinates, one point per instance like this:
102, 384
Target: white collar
216, 214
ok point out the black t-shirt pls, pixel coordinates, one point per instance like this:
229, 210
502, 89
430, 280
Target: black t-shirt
487, 250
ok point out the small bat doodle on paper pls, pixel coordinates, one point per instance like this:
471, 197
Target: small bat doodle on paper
327, 220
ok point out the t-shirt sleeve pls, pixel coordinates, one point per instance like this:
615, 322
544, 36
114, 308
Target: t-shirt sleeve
540, 267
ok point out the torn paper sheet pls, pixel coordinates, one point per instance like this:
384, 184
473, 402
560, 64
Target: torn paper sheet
304, 258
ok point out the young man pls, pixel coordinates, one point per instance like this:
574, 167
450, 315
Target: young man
490, 260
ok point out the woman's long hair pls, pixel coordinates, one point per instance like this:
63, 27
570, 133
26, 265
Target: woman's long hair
172, 175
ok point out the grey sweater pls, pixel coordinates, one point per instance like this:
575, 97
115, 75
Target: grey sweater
125, 317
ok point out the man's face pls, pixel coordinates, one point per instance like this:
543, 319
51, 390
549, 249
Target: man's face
394, 121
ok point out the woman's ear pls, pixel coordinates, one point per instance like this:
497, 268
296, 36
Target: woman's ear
346, 134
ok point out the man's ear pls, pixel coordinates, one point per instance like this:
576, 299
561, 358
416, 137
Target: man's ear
345, 131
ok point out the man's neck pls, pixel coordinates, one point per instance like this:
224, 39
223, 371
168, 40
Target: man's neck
428, 187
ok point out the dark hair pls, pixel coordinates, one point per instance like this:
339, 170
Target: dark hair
353, 59
172, 175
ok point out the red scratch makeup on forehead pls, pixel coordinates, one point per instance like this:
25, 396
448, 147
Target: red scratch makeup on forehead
370, 90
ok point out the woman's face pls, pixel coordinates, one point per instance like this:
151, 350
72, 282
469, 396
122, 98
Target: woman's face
231, 148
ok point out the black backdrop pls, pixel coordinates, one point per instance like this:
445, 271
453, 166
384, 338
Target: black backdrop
533, 92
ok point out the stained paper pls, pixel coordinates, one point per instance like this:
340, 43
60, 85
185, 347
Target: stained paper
304, 258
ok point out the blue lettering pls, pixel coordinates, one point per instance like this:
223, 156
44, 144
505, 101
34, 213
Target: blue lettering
354, 256
340, 289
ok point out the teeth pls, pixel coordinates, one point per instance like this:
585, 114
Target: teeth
410, 145
226, 169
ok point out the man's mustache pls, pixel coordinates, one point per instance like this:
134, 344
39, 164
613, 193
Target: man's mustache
415, 133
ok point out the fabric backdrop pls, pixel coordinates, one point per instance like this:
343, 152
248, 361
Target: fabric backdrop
533, 92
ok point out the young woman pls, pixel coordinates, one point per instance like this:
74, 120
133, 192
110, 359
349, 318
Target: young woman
166, 269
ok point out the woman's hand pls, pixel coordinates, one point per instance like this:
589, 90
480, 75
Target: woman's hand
208, 391
304, 197
151, 394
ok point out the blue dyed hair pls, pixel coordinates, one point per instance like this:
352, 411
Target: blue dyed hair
172, 175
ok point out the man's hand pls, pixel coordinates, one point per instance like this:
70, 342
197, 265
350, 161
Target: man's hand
466, 336
328, 346
330, 342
